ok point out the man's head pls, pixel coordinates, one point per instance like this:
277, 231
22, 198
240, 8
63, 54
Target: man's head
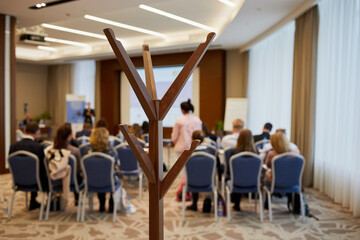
32, 129
238, 124
267, 127
28, 116
87, 126
88, 104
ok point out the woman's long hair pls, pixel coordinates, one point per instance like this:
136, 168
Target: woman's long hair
99, 139
280, 143
61, 137
245, 141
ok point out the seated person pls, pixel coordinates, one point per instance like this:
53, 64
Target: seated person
265, 134
86, 131
27, 143
99, 140
280, 145
229, 141
245, 143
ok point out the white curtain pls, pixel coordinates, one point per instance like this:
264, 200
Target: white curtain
84, 80
270, 81
337, 161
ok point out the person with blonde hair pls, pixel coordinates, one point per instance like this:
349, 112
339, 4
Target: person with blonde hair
99, 140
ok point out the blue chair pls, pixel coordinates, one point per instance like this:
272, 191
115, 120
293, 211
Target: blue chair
245, 171
99, 176
56, 186
207, 147
83, 139
84, 148
115, 141
287, 170
24, 168
260, 144
129, 166
226, 173
200, 174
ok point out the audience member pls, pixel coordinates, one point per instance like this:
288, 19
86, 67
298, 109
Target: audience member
229, 141
86, 131
101, 123
265, 134
28, 144
245, 143
88, 113
135, 129
24, 122
280, 145
267, 147
145, 127
99, 140
208, 134
184, 127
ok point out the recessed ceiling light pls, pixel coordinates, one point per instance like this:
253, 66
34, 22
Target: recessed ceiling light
49, 39
50, 49
49, 4
64, 29
227, 2
121, 25
181, 19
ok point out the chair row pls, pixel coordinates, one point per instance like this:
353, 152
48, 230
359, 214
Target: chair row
245, 177
98, 169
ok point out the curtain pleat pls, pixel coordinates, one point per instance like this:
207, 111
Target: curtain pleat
304, 89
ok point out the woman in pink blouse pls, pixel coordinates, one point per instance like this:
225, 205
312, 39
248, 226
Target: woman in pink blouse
184, 127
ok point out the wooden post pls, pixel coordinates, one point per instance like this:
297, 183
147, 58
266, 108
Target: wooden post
156, 111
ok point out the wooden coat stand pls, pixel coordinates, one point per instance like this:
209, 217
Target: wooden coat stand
156, 111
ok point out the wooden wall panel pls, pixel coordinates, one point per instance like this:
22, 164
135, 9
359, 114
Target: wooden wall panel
212, 86
2, 93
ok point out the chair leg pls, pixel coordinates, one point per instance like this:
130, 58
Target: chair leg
48, 206
183, 202
11, 205
83, 207
42, 207
114, 208
256, 195
261, 203
270, 208
228, 204
26, 201
249, 196
215, 205
140, 185
79, 206
91, 205
302, 206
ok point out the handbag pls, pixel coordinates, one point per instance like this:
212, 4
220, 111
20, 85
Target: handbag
58, 160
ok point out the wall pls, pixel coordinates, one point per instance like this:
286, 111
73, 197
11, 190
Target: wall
233, 72
31, 88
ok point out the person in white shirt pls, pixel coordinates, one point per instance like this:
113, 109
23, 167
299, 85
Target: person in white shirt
229, 141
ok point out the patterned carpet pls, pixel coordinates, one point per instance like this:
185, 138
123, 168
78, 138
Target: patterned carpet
335, 222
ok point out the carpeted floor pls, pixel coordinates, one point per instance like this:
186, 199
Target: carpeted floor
335, 222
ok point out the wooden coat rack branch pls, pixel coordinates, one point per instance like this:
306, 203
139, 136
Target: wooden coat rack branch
156, 111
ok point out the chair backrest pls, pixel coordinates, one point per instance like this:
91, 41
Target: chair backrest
260, 144
200, 170
83, 139
245, 170
73, 176
209, 141
24, 168
227, 162
128, 162
205, 147
287, 169
98, 171
117, 141
84, 148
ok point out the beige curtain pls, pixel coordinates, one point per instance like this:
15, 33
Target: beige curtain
60, 83
304, 88
97, 92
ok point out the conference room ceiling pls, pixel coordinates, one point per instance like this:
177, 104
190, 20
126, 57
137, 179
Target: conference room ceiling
234, 26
